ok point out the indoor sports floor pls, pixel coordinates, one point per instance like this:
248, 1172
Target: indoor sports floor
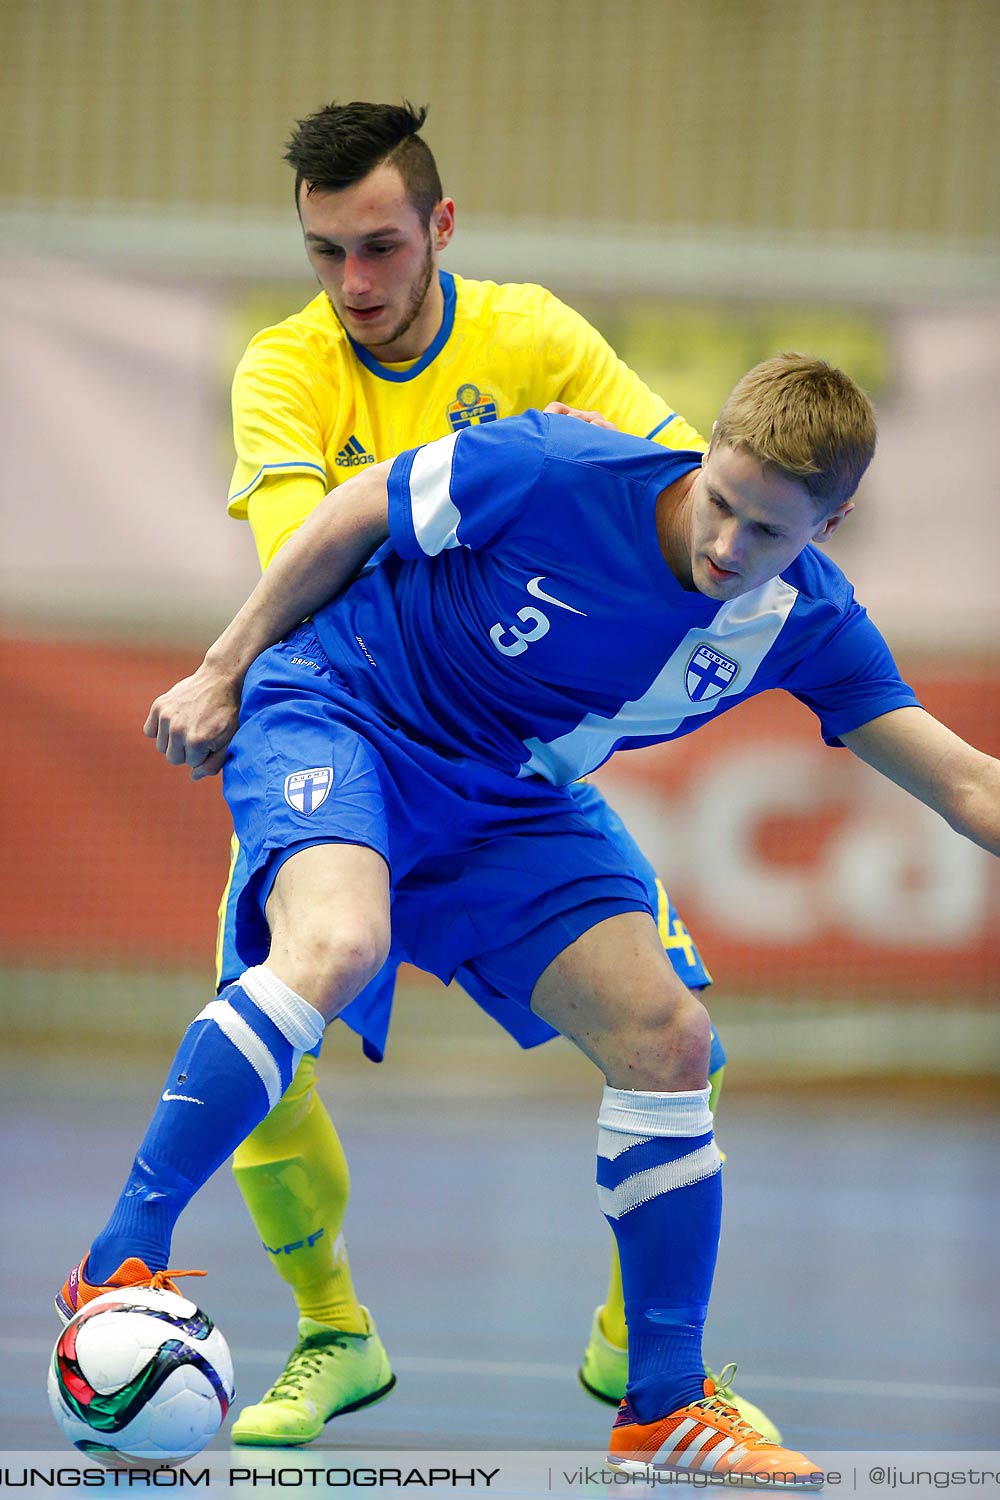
856, 1286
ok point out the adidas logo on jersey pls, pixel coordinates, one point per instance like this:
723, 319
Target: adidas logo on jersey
352, 454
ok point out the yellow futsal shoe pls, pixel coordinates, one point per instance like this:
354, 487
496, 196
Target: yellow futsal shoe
604, 1373
328, 1373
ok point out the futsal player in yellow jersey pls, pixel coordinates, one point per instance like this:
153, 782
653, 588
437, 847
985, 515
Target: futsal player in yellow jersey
393, 352
311, 405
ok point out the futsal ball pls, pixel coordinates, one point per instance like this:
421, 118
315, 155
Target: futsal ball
140, 1375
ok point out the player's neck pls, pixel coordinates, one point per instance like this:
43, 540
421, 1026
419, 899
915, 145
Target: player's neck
673, 528
421, 333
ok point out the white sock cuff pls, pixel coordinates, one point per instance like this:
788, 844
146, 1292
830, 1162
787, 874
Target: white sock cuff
636, 1112
294, 1017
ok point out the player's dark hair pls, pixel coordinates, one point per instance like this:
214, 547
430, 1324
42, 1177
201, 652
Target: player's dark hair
340, 144
806, 419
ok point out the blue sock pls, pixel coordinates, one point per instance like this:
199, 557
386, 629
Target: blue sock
234, 1063
660, 1187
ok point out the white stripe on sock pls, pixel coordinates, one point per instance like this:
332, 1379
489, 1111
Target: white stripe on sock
247, 1042
611, 1144
656, 1180
294, 1017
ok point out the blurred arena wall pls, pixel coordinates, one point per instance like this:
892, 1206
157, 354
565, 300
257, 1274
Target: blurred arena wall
709, 181
747, 134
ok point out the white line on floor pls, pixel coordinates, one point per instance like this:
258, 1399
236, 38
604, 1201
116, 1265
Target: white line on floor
515, 1370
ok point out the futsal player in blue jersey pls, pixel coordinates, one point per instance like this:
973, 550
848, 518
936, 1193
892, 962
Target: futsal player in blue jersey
392, 353
397, 768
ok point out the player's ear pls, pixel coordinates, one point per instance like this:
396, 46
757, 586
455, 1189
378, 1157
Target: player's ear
443, 223
833, 523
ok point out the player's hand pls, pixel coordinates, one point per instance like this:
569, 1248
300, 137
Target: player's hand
193, 723
559, 408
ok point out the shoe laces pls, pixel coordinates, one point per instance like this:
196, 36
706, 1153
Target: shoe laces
306, 1360
162, 1281
721, 1402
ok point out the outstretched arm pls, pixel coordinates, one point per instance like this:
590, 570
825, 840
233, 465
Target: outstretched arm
933, 763
194, 722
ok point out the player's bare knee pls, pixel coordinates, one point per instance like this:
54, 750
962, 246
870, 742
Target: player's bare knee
344, 958
359, 952
328, 960
663, 1044
688, 1036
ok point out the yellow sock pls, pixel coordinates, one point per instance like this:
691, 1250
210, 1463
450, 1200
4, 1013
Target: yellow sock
612, 1317
613, 1312
293, 1175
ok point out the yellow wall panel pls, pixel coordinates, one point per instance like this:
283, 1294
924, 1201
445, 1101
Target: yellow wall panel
867, 117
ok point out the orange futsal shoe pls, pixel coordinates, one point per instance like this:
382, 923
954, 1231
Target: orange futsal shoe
707, 1437
77, 1290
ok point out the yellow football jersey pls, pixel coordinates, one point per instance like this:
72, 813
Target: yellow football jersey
309, 402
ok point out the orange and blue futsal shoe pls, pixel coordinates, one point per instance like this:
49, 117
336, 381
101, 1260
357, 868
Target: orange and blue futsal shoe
706, 1437
77, 1290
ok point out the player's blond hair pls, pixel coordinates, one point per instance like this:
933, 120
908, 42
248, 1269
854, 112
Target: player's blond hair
804, 418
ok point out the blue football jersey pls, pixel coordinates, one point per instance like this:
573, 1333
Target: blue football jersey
527, 615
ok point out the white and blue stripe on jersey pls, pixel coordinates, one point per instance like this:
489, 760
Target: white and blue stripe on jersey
528, 615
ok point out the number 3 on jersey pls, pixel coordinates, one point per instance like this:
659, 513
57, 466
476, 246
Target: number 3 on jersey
540, 623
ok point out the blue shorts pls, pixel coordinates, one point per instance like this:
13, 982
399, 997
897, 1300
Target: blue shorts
535, 866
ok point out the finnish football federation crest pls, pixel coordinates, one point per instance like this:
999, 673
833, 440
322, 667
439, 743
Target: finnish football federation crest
307, 790
708, 673
470, 407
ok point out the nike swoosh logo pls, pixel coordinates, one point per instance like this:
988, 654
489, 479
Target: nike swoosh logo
534, 587
166, 1096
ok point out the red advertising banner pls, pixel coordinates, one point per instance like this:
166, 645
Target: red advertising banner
794, 866
797, 867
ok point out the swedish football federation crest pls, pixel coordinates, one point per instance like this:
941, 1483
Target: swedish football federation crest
708, 674
470, 407
307, 790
